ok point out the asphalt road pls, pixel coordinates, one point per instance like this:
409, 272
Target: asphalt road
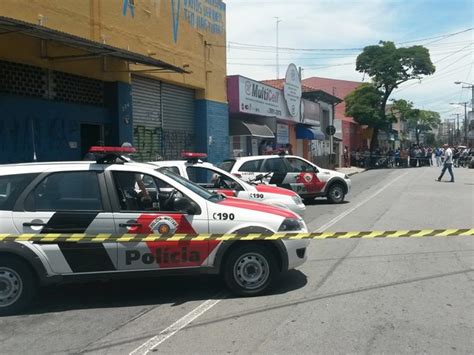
352, 296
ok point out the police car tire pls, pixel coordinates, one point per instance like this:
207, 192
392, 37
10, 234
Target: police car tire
250, 254
28, 284
336, 188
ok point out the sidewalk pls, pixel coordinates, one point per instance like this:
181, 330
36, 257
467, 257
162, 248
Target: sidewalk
350, 171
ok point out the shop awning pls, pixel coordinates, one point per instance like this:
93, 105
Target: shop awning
310, 133
242, 128
93, 49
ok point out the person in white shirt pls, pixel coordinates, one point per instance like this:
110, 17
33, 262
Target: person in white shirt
448, 162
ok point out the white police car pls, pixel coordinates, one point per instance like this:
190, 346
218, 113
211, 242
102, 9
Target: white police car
293, 173
116, 196
220, 181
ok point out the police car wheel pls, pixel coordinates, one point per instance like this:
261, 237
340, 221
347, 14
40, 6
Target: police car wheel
336, 193
17, 285
250, 270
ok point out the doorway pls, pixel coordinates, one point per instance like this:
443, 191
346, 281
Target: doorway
91, 135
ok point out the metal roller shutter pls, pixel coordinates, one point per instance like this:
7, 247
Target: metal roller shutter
147, 118
178, 120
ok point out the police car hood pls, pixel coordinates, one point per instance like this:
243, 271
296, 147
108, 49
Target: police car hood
275, 190
257, 206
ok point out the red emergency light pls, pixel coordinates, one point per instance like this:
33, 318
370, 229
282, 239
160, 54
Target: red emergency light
190, 155
112, 150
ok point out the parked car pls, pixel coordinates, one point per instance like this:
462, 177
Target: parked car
217, 180
113, 195
293, 173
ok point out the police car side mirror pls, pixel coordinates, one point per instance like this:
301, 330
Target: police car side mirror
185, 205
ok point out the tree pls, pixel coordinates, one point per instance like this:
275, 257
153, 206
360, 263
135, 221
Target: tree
421, 121
388, 67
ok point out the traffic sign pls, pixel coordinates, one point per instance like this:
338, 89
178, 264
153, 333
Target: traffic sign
330, 130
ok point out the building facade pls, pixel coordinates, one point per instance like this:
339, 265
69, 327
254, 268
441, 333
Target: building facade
81, 73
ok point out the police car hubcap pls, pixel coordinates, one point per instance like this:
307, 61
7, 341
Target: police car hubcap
251, 271
10, 286
336, 193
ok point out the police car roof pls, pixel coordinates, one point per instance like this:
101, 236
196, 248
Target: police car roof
37, 167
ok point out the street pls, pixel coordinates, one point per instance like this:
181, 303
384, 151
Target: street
404, 295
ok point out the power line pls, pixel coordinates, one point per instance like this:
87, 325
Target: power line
248, 46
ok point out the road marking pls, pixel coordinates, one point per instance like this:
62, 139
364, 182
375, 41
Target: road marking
350, 210
174, 328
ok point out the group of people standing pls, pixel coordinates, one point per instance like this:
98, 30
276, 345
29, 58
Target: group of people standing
415, 156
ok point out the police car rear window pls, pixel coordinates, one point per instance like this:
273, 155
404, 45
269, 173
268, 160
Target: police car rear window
227, 165
11, 186
252, 166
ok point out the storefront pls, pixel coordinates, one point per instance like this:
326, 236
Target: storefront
259, 118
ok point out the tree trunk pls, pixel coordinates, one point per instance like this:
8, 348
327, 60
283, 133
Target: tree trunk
374, 142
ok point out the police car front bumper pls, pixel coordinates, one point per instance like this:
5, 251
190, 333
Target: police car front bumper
297, 252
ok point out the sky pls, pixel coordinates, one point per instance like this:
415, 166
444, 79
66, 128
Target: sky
334, 32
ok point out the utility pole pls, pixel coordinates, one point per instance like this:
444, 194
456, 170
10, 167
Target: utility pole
468, 86
465, 118
458, 131
277, 45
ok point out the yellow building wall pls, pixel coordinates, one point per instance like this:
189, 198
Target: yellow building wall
185, 33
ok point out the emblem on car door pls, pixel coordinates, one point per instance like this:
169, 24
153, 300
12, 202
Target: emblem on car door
164, 225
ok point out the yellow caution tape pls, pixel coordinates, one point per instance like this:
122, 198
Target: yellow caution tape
134, 238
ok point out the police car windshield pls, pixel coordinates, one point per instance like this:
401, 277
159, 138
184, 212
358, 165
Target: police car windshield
191, 185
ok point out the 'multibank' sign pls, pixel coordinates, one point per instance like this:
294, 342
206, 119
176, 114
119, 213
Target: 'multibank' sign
253, 97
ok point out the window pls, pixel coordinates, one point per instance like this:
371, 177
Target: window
69, 191
227, 165
275, 165
11, 186
298, 165
173, 169
142, 192
252, 166
211, 179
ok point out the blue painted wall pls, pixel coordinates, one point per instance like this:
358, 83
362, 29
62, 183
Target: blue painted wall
212, 130
55, 124
118, 98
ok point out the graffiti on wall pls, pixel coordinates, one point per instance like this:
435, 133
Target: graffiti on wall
25, 136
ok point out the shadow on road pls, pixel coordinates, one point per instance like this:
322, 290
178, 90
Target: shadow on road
323, 202
156, 291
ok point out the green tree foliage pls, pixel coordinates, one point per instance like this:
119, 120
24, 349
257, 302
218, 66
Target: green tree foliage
388, 67
421, 121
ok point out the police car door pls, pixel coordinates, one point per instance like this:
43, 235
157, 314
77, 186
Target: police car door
302, 177
135, 213
69, 202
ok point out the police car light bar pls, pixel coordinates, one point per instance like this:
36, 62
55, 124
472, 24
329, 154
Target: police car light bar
190, 155
112, 150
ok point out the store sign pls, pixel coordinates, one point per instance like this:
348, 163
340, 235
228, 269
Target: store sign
260, 99
283, 134
293, 91
311, 113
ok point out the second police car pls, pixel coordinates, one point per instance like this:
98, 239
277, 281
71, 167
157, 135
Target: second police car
116, 196
215, 179
293, 173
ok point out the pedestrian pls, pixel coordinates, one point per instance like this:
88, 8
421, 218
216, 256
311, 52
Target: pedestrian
289, 149
346, 156
397, 157
358, 158
448, 163
437, 154
262, 147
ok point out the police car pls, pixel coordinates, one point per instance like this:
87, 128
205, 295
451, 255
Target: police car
113, 195
220, 181
294, 173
